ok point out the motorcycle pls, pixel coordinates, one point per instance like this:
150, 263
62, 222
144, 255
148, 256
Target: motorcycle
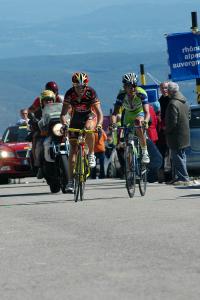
55, 148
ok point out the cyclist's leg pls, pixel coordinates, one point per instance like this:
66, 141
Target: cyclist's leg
73, 151
142, 138
90, 123
136, 120
90, 139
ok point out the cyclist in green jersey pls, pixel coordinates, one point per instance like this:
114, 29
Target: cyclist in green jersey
134, 101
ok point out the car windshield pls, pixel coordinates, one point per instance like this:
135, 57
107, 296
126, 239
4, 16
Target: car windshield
195, 118
15, 134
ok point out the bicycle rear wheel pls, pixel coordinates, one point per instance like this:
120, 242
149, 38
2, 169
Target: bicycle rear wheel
130, 173
77, 177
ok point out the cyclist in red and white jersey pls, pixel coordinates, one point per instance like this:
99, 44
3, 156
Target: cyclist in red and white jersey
81, 101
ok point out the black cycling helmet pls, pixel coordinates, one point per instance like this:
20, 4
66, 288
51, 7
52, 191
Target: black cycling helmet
52, 86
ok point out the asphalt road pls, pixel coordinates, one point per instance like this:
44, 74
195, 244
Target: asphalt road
107, 247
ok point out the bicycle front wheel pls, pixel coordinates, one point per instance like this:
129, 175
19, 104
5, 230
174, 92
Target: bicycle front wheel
142, 178
82, 180
84, 175
130, 174
80, 176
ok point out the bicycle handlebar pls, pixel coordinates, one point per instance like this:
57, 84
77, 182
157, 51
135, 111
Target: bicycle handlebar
81, 131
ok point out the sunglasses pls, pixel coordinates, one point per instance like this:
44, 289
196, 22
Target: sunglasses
129, 85
80, 87
48, 99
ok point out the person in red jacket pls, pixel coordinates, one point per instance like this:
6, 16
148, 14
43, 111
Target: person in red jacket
152, 130
155, 155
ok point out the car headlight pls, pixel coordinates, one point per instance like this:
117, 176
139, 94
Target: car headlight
56, 129
6, 154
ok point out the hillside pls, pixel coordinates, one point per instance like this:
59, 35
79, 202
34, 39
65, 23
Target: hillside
129, 27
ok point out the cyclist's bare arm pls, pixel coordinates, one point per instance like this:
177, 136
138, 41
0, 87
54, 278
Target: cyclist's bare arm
146, 112
65, 109
115, 113
98, 112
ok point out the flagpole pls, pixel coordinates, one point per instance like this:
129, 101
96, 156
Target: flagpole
142, 75
195, 30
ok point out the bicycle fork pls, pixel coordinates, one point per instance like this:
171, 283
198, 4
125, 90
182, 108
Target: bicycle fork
85, 171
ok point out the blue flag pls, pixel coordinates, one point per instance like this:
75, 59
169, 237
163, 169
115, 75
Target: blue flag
184, 55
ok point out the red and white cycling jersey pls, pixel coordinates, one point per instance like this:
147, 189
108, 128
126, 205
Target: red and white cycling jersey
83, 104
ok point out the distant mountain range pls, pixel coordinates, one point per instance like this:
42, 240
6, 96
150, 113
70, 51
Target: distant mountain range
134, 27
22, 79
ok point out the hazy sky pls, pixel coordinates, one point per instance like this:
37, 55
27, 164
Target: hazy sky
39, 10
46, 10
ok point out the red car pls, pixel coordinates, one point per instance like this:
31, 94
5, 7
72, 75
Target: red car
14, 154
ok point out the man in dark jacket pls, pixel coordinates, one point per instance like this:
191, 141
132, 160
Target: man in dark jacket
177, 132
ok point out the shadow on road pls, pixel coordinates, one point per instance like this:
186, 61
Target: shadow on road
36, 203
53, 201
191, 196
17, 186
24, 195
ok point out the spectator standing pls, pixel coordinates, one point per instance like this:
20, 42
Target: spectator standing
177, 132
99, 151
23, 117
155, 156
161, 143
152, 129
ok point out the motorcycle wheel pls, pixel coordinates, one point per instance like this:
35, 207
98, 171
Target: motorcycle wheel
50, 174
54, 187
63, 173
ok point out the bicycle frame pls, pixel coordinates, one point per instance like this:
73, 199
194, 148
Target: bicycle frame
81, 169
136, 172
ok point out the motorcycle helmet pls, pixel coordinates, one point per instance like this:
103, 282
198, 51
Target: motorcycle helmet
47, 95
52, 86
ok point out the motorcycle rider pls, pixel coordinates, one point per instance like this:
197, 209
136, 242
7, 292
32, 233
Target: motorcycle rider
83, 104
50, 86
46, 97
35, 113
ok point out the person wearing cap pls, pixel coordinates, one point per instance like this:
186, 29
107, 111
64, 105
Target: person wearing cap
177, 132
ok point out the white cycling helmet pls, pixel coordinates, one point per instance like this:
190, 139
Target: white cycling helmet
130, 78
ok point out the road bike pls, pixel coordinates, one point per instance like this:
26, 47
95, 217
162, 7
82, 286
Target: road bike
135, 170
81, 169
